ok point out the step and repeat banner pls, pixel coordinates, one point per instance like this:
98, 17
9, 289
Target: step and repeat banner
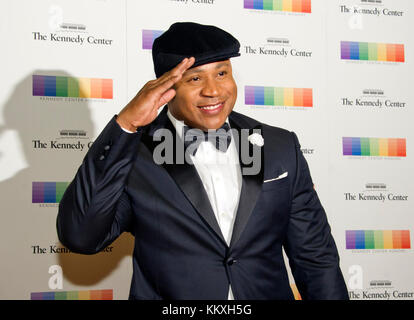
337, 73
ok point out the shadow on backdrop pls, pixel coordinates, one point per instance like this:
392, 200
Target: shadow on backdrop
24, 224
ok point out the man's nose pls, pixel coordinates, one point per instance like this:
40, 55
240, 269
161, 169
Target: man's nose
210, 88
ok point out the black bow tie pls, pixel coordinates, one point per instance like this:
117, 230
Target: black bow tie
220, 138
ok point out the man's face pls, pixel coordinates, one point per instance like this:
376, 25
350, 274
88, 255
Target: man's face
205, 95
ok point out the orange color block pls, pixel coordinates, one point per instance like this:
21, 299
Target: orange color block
391, 52
107, 90
96, 88
297, 97
297, 5
95, 295
392, 147
396, 239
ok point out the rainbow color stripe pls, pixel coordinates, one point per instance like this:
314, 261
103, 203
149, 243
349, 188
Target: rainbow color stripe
383, 147
280, 5
148, 37
48, 192
73, 295
378, 239
56, 86
271, 96
372, 51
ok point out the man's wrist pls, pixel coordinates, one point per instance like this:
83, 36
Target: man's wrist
125, 126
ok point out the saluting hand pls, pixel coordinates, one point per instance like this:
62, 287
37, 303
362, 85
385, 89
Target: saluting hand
143, 108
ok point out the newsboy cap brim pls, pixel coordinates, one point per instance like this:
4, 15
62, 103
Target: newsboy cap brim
188, 39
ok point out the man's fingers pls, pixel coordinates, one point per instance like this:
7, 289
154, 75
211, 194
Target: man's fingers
179, 69
166, 97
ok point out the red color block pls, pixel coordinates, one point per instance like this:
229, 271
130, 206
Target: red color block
107, 90
405, 239
307, 97
306, 6
399, 53
107, 294
401, 148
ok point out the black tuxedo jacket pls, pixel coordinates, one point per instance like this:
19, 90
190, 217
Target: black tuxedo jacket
179, 251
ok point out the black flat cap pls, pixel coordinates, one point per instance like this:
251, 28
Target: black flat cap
188, 39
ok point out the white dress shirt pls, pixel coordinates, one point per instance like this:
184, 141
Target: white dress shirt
221, 176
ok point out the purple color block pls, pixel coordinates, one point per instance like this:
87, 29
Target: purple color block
38, 192
147, 39
345, 50
38, 85
347, 146
248, 95
350, 239
248, 4
36, 296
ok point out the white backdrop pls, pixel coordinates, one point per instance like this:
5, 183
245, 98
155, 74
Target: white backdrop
81, 42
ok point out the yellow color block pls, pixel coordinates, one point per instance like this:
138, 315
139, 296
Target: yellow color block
382, 52
84, 87
287, 5
84, 295
387, 234
383, 147
289, 97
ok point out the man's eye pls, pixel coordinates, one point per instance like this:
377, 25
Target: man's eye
195, 78
222, 73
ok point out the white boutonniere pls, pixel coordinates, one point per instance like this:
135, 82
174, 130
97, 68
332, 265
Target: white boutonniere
256, 139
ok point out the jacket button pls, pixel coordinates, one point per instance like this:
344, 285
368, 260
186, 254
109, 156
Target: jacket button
101, 157
107, 147
230, 261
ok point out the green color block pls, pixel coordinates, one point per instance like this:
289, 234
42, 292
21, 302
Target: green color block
60, 190
369, 239
279, 97
72, 295
61, 86
278, 5
61, 295
374, 147
73, 88
372, 52
267, 4
365, 149
363, 51
268, 96
378, 239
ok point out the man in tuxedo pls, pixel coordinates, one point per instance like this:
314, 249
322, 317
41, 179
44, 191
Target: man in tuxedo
206, 227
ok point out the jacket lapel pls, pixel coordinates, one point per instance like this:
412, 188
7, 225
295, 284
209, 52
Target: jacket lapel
251, 184
185, 175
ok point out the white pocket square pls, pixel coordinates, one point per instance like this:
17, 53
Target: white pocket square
283, 175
